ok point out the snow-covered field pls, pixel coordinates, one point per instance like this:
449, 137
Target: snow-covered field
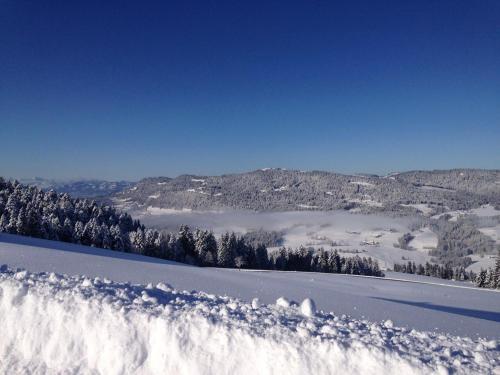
424, 208
150, 319
493, 232
426, 305
486, 210
351, 234
424, 240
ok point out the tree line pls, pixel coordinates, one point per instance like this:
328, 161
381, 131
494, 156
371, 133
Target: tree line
446, 271
30, 211
489, 278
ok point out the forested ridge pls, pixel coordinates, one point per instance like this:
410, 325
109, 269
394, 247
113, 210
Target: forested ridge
282, 190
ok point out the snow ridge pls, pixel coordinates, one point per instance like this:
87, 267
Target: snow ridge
56, 323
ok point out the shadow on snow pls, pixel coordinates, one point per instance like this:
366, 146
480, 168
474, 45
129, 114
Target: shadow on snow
479, 314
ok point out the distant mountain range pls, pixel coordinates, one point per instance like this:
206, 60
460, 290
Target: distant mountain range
281, 190
80, 188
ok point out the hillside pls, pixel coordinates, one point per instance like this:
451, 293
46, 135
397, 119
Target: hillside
430, 304
430, 192
79, 188
119, 326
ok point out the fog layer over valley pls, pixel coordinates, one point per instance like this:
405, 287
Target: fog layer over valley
351, 234
448, 216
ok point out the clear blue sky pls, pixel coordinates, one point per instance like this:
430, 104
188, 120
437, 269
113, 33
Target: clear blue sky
123, 90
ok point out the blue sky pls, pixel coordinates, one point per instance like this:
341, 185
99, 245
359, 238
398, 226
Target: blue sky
124, 90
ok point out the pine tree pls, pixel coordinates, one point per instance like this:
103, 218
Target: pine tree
488, 281
4, 221
78, 231
481, 279
116, 237
224, 252
376, 269
21, 227
67, 231
496, 273
150, 248
186, 242
261, 257
105, 234
137, 241
205, 247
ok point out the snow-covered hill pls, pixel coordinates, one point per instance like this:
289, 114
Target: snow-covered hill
448, 306
79, 188
88, 324
424, 192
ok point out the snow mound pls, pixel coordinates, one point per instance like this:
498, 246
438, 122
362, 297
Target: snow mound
283, 302
60, 324
308, 307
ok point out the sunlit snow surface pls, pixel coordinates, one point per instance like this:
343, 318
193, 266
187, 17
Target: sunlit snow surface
54, 324
458, 309
243, 322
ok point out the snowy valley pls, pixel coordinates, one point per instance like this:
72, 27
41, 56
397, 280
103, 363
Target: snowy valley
302, 291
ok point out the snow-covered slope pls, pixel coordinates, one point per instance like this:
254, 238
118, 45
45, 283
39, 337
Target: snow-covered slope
451, 307
61, 324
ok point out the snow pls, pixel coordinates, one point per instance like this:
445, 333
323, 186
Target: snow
362, 183
481, 262
154, 196
281, 188
255, 303
367, 201
486, 210
424, 240
422, 207
283, 302
198, 180
308, 308
435, 188
493, 232
166, 211
74, 324
197, 190
388, 324
329, 193
419, 302
331, 230
306, 206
